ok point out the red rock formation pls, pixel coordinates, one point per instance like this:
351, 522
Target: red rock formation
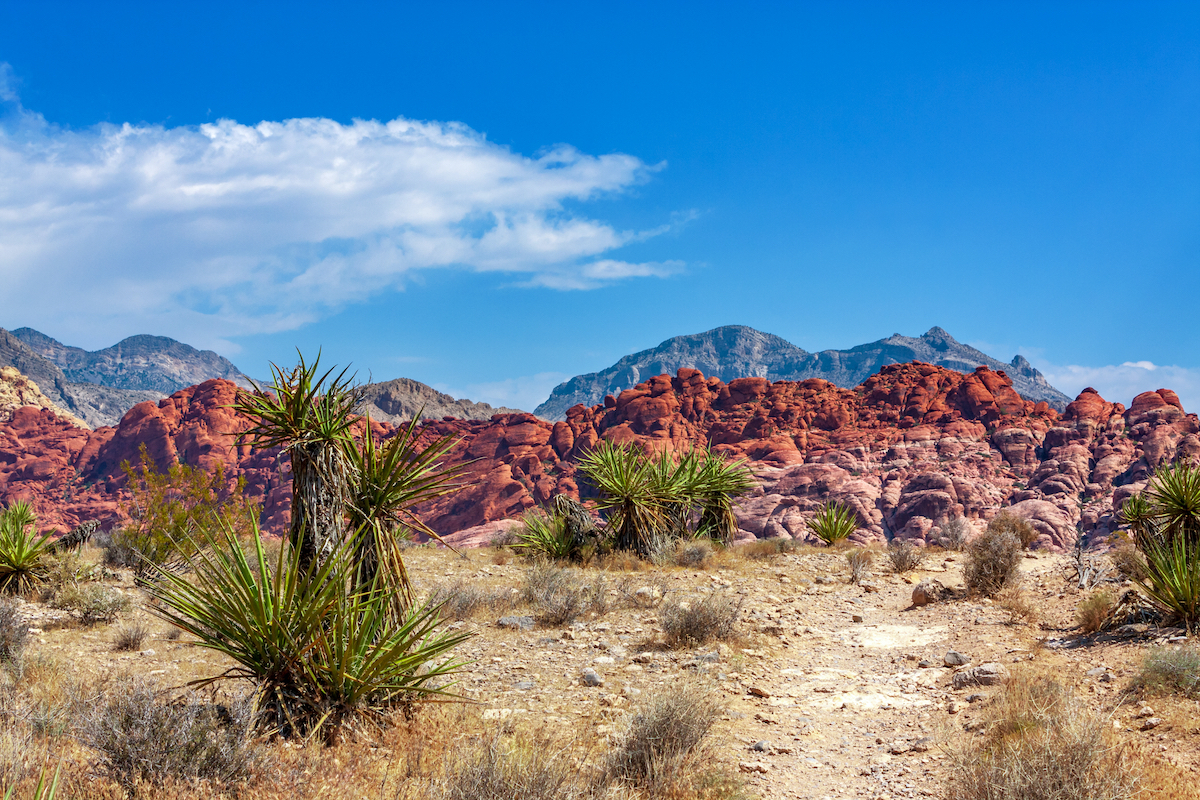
909, 446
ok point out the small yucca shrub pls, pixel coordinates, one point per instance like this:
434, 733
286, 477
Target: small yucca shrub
23, 552
321, 654
833, 523
547, 535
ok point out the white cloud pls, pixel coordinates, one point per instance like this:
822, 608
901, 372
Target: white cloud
526, 392
226, 229
1121, 383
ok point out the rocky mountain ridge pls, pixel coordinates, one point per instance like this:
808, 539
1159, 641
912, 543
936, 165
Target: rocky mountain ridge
736, 351
398, 400
911, 445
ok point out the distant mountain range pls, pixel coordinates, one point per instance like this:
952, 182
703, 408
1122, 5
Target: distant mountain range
736, 351
100, 387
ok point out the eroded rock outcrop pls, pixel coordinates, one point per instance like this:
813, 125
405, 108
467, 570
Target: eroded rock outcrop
911, 445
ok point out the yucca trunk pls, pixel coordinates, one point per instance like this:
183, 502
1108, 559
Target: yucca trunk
320, 482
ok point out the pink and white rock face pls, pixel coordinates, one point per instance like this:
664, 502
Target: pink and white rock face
913, 444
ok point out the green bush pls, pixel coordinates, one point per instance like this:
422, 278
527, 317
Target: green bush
322, 654
1165, 521
1094, 611
548, 535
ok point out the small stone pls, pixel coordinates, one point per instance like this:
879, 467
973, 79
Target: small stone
753, 766
1145, 711
869, 588
643, 658
954, 707
975, 698
956, 659
1095, 673
921, 745
523, 686
856, 618
757, 692
604, 660
924, 663
1151, 723
989, 674
761, 746
516, 623
926, 592
591, 678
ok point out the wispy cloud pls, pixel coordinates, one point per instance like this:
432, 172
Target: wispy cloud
1122, 382
237, 229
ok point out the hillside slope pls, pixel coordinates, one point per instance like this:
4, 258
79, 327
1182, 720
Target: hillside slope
396, 401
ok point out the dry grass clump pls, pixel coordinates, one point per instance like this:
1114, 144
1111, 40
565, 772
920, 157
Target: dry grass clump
462, 600
860, 560
559, 596
142, 737
1007, 522
1129, 561
904, 556
1014, 601
693, 554
954, 533
662, 736
700, 620
1171, 670
767, 548
1042, 744
492, 769
1094, 611
992, 562
14, 631
92, 602
131, 637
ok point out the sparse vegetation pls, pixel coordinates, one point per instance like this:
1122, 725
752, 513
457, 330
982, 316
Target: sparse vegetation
131, 637
904, 556
1095, 610
143, 736
14, 631
461, 600
700, 620
767, 548
546, 534
954, 533
1171, 670
1041, 744
496, 769
693, 554
833, 523
1013, 600
993, 559
559, 595
92, 603
859, 559
1129, 562
1007, 522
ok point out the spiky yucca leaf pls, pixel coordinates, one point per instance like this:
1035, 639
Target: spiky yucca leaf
548, 535
626, 481
321, 653
720, 482
387, 482
22, 551
833, 522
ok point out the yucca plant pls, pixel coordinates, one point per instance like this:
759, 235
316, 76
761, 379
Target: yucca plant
631, 494
545, 534
22, 551
720, 482
322, 654
310, 418
676, 482
833, 522
1165, 520
386, 481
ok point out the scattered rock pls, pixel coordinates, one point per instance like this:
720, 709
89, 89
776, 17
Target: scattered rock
926, 592
591, 678
761, 746
956, 659
1151, 723
989, 674
757, 692
754, 767
516, 623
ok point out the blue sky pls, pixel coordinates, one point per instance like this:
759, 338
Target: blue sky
491, 198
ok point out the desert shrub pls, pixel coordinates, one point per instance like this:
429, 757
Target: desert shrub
321, 654
92, 602
1093, 612
492, 769
462, 600
1042, 744
14, 631
954, 533
1013, 600
833, 523
1129, 562
662, 735
173, 513
904, 556
68, 569
859, 560
119, 548
141, 736
761, 549
131, 637
549, 535
23, 553
1171, 670
693, 554
560, 596
992, 562
700, 620
1007, 522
